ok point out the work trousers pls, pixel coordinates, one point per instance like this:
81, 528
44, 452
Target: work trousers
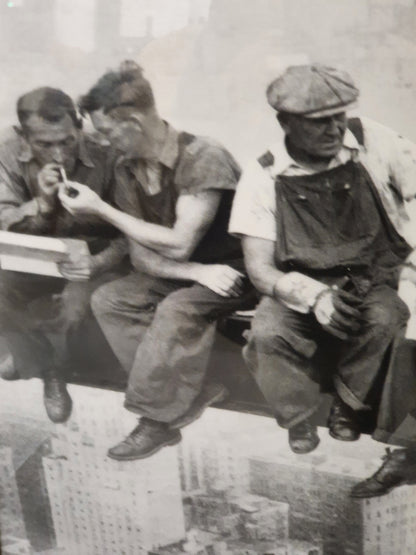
285, 346
38, 314
162, 331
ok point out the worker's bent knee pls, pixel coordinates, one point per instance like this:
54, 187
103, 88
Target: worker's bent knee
101, 299
387, 316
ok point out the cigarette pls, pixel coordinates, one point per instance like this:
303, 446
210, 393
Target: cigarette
63, 174
70, 191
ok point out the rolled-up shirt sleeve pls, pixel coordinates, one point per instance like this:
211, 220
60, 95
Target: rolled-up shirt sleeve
207, 166
388, 149
403, 167
20, 215
254, 207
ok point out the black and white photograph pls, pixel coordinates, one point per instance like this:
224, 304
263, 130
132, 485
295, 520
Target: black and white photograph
208, 277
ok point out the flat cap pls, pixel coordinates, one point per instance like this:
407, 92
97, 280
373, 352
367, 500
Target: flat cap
312, 91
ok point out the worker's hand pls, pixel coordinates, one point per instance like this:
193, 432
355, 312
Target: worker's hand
48, 180
221, 279
77, 269
338, 312
79, 199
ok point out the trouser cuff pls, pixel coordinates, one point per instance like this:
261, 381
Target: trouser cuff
289, 423
348, 396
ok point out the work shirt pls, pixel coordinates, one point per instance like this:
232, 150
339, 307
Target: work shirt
389, 158
187, 165
19, 192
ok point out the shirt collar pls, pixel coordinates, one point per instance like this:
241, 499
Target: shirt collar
26, 155
283, 162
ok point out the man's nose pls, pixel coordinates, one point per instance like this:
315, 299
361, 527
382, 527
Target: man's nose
332, 126
57, 155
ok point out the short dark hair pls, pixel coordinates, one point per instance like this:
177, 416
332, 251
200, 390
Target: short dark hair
50, 104
125, 87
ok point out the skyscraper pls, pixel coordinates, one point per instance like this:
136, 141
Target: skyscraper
12, 527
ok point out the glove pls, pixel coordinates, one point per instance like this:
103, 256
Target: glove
338, 312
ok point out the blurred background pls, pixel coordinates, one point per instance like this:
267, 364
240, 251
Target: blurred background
210, 60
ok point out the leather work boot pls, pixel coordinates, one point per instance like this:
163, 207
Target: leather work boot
58, 403
148, 437
342, 421
210, 394
398, 468
7, 369
303, 437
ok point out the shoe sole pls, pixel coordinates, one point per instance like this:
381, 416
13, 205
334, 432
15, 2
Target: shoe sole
12, 378
339, 438
386, 491
303, 451
221, 396
173, 441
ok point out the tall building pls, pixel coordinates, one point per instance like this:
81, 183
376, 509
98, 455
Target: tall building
250, 518
13, 533
213, 458
15, 546
156, 18
317, 493
100, 506
390, 523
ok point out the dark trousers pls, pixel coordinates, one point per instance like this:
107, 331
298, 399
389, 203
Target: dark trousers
37, 314
284, 347
162, 332
396, 415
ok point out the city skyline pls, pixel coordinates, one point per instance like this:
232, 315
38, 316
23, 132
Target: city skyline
231, 487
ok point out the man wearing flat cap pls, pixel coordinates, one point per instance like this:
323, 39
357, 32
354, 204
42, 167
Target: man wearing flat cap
322, 215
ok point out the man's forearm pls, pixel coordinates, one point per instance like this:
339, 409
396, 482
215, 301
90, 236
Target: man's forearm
158, 238
264, 277
111, 256
29, 217
294, 289
154, 264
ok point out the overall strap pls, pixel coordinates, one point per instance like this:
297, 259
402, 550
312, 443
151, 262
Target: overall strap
168, 175
184, 140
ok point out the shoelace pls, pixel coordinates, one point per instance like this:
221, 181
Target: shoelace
384, 458
135, 435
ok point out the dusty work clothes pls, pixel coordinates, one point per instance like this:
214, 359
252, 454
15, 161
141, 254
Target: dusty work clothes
161, 330
396, 414
284, 354
19, 189
389, 158
31, 305
162, 333
188, 165
38, 316
332, 225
